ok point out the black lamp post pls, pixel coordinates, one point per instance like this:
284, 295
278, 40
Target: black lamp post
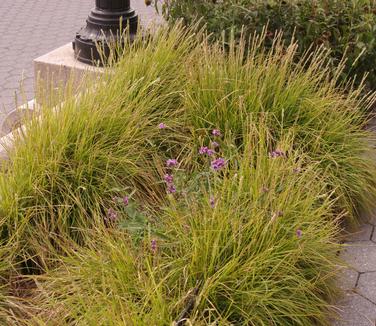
105, 25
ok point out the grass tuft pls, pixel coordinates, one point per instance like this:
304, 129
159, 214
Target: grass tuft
266, 157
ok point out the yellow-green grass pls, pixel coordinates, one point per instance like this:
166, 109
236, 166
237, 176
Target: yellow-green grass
242, 262
299, 95
106, 143
263, 254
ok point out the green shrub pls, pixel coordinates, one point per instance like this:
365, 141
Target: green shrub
343, 26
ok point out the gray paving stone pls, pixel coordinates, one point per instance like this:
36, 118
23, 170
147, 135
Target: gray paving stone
347, 279
360, 255
363, 233
374, 236
355, 311
367, 286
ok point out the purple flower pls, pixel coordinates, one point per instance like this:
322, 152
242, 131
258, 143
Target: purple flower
299, 233
171, 163
112, 215
171, 189
218, 164
296, 170
206, 150
203, 150
212, 202
162, 126
265, 189
169, 178
277, 153
214, 144
153, 246
216, 132
210, 152
126, 200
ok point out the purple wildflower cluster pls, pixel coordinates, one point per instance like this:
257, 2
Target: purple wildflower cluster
171, 163
171, 189
112, 216
162, 126
212, 202
277, 153
218, 164
169, 178
206, 150
299, 233
153, 246
121, 200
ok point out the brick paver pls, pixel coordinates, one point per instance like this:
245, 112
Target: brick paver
31, 28
358, 306
355, 310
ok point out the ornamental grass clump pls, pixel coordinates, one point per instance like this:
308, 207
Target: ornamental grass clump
255, 257
190, 186
299, 95
105, 143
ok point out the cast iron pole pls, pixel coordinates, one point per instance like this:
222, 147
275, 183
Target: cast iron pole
105, 24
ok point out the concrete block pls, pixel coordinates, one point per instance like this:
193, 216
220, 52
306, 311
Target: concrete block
354, 310
13, 120
367, 286
55, 69
363, 233
361, 256
347, 279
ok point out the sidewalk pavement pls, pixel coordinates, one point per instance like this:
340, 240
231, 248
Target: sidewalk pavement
31, 28
358, 305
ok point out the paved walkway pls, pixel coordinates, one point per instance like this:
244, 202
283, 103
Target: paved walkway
358, 305
31, 28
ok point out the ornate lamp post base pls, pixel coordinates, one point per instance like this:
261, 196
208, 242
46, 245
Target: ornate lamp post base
105, 26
